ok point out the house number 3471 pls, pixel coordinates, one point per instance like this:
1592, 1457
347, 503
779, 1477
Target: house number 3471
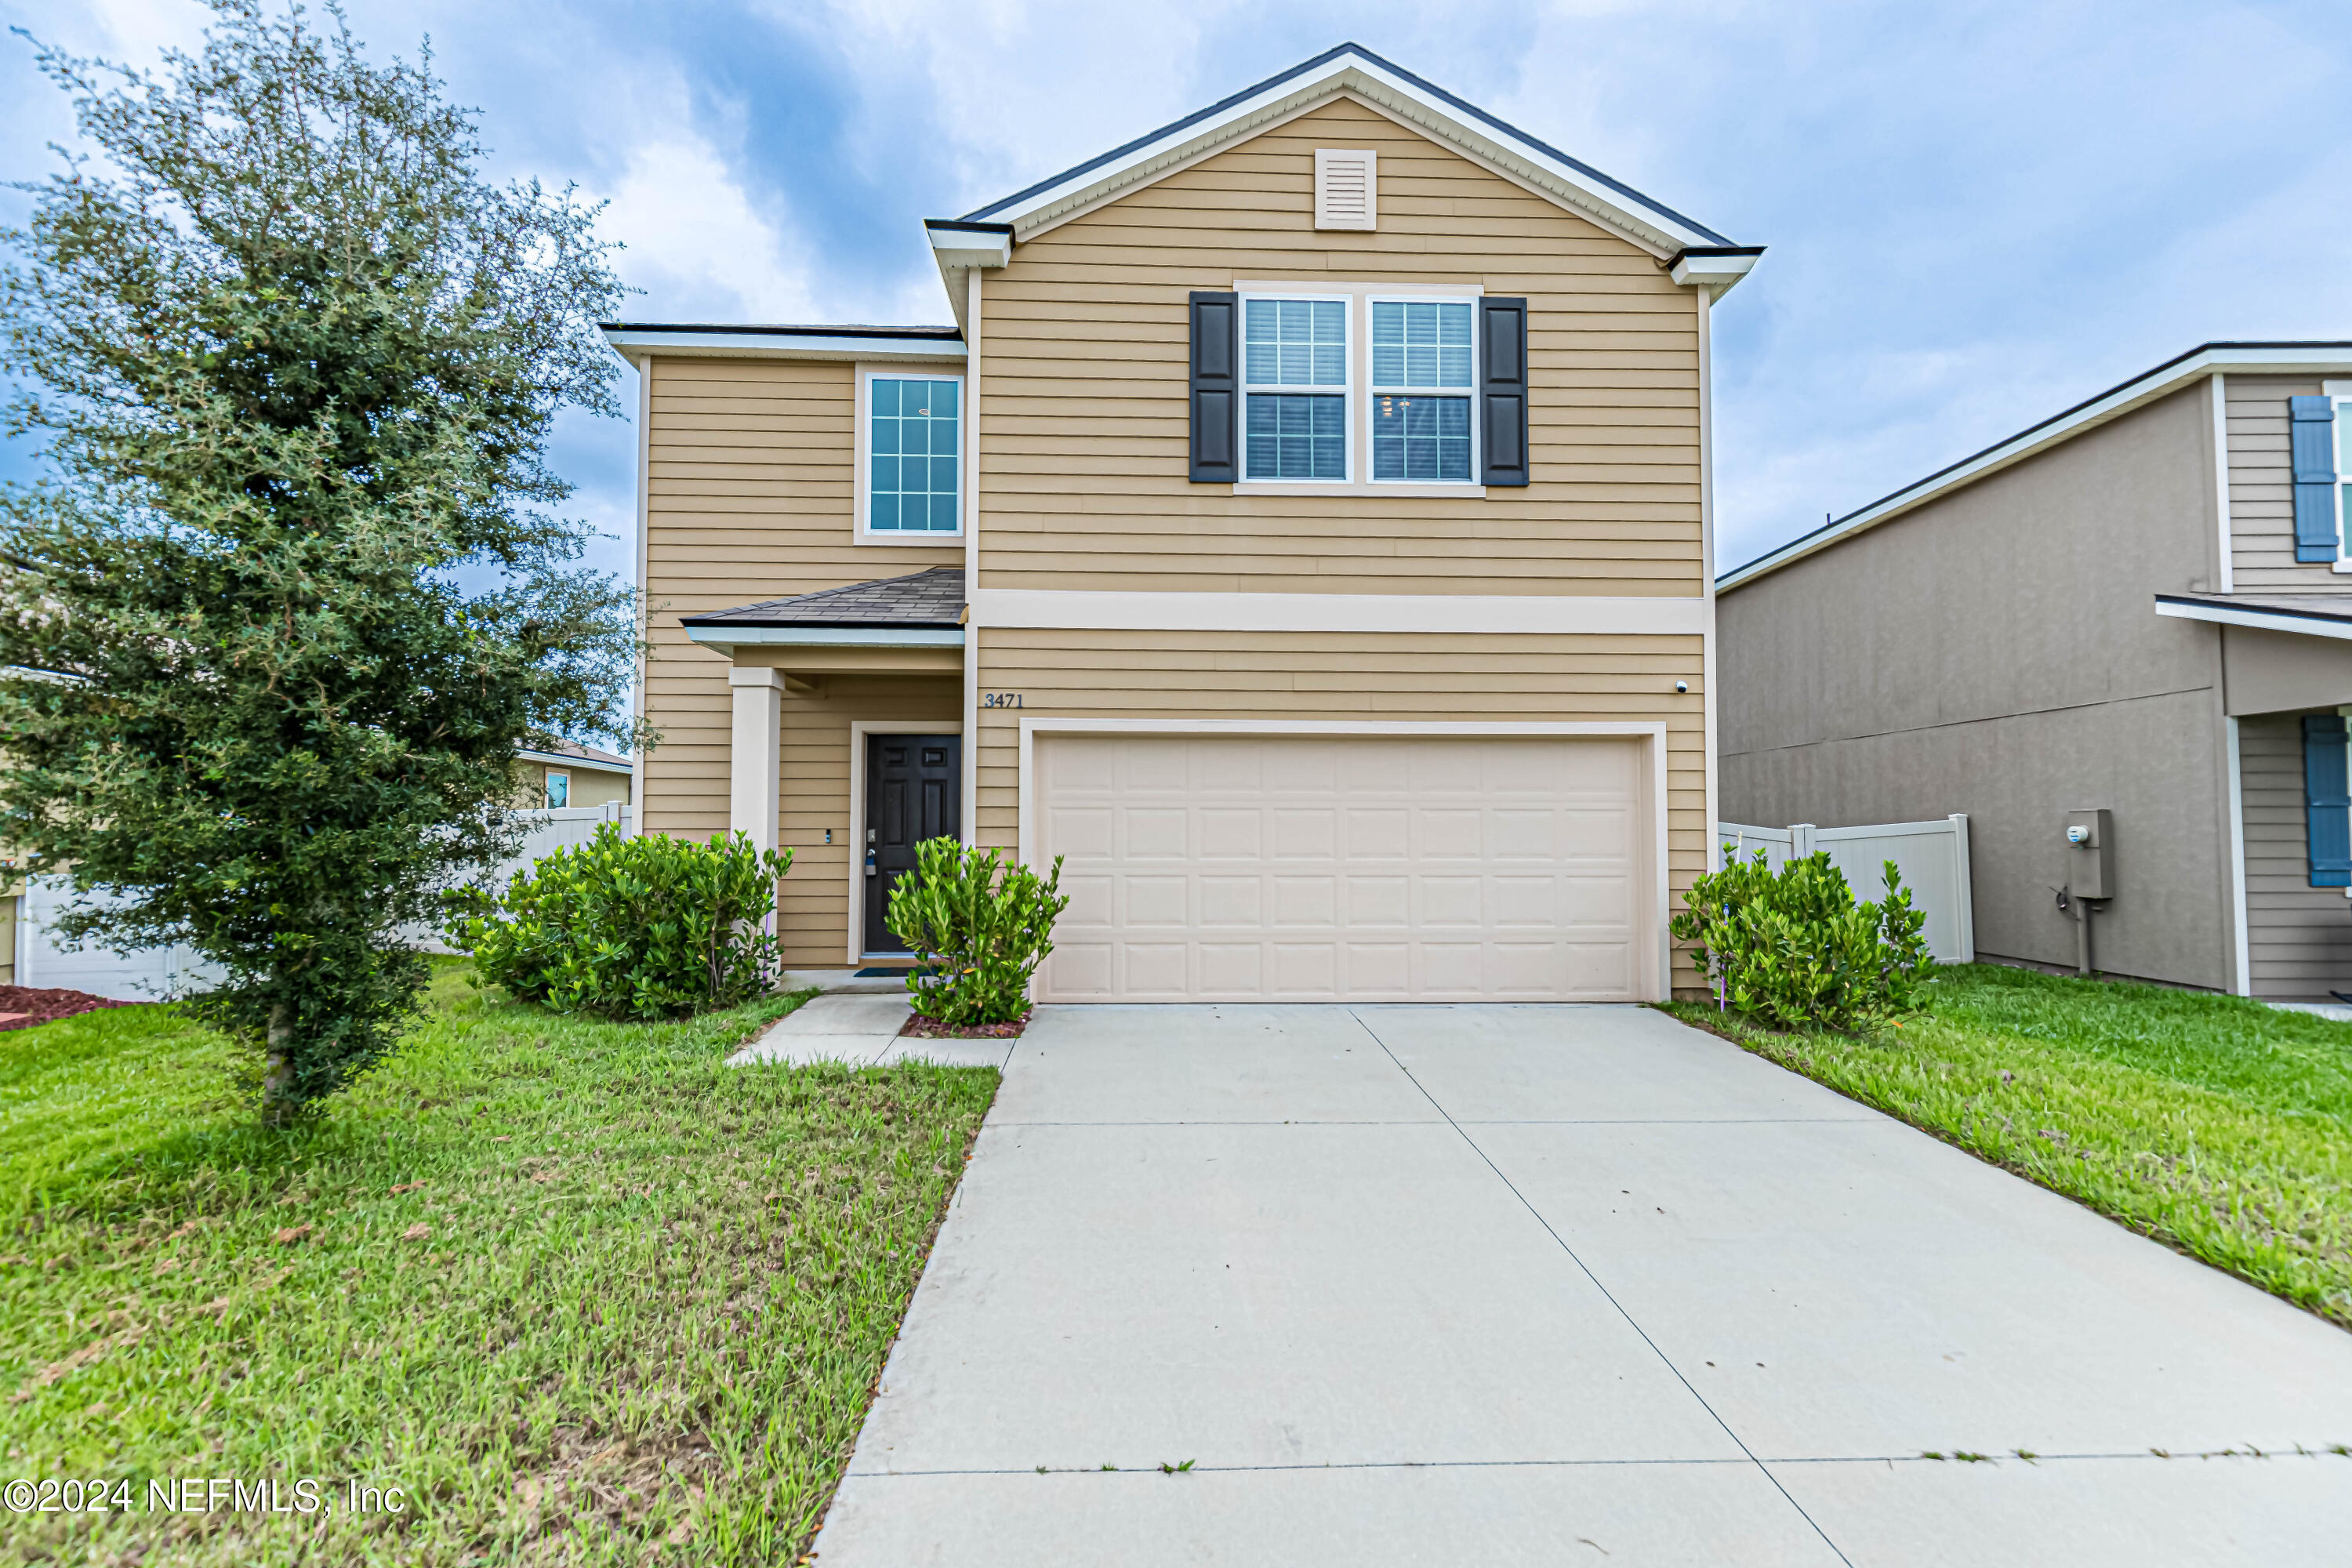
1000, 700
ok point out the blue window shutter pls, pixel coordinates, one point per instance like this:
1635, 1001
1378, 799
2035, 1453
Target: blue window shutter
2327, 801
2313, 420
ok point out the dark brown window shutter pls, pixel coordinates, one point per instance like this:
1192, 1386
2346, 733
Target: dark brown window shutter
1216, 388
1503, 387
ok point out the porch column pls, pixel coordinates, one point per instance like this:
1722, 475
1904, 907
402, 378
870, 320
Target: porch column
756, 756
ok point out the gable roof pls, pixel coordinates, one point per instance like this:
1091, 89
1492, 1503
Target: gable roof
1352, 68
2206, 358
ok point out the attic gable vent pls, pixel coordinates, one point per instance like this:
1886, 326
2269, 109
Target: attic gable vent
1347, 187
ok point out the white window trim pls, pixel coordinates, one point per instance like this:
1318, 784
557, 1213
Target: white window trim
547, 783
862, 491
1346, 395
1467, 393
2339, 397
1360, 369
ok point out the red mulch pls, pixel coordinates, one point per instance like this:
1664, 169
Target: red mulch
21, 1006
921, 1028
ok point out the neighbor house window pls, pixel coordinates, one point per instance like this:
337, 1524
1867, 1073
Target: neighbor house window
558, 789
1295, 389
914, 454
1420, 391
2343, 408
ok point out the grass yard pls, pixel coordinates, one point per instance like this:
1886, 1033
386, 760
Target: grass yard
580, 1291
2215, 1124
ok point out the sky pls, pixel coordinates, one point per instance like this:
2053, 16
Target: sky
1977, 214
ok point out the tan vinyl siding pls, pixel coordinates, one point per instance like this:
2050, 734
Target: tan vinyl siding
2299, 937
690, 801
748, 497
1083, 394
1384, 676
2261, 490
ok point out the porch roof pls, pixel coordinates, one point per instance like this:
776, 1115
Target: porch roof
920, 609
2311, 614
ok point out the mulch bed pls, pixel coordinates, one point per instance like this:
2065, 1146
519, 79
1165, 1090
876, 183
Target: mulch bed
919, 1027
21, 1006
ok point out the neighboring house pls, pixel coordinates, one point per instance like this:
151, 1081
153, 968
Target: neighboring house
572, 775
1303, 533
11, 900
2143, 605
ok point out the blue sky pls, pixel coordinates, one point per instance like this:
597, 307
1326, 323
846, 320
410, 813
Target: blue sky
1978, 214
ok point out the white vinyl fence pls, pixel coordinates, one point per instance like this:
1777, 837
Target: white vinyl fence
146, 975
1931, 856
151, 974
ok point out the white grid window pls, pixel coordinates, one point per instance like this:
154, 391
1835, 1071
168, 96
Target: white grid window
1295, 370
1422, 414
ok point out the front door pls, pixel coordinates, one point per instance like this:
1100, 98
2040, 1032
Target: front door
914, 791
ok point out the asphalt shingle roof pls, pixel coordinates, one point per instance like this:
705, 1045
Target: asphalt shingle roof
933, 598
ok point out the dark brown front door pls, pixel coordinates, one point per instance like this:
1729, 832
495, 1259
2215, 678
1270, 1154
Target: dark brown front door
914, 789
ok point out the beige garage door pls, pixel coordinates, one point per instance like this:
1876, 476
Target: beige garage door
1299, 868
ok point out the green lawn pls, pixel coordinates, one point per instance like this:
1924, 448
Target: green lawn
2218, 1125
579, 1291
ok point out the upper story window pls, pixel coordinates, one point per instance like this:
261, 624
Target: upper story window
914, 455
1295, 384
2342, 407
1421, 402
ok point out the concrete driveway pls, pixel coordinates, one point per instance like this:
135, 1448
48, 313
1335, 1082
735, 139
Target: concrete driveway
1556, 1285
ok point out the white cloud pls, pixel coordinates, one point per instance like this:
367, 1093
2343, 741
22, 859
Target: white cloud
698, 245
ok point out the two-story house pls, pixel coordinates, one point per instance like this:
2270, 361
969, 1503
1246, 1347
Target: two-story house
2141, 606
1302, 532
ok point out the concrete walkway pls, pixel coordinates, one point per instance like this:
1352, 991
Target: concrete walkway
1556, 1285
860, 1029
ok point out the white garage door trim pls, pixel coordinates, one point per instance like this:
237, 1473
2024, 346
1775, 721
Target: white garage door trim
1654, 759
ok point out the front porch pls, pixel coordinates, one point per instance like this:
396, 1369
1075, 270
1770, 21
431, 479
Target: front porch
2286, 677
846, 736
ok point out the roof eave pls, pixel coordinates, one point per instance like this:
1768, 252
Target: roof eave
638, 343
962, 245
745, 634
2207, 359
2309, 624
1715, 267
564, 758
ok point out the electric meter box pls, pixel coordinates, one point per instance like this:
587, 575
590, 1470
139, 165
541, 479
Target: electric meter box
2090, 854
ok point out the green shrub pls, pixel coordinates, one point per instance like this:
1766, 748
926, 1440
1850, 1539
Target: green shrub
980, 927
1793, 950
649, 927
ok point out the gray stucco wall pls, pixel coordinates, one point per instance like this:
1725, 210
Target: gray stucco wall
1997, 652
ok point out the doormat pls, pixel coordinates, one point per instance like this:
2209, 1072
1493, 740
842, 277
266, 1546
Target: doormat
884, 974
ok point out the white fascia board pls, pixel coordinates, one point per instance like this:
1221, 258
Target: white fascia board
825, 636
558, 760
2261, 620
971, 248
1663, 231
1569, 615
2222, 359
1716, 272
637, 345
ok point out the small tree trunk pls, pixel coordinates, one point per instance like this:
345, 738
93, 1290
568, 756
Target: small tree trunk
277, 1077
